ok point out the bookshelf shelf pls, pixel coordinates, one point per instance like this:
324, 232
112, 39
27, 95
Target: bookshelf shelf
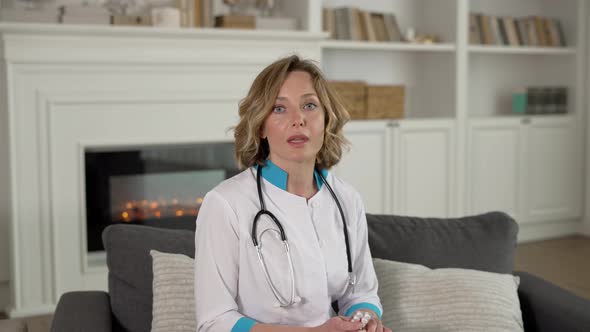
387, 46
522, 116
526, 50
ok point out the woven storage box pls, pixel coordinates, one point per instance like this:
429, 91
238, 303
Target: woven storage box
354, 97
235, 21
385, 101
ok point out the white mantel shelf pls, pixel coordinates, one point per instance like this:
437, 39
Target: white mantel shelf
47, 43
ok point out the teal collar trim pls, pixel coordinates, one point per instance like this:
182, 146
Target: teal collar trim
278, 177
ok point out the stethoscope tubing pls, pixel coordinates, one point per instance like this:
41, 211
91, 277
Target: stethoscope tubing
282, 301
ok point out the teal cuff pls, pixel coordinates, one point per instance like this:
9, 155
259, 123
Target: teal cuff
243, 324
363, 305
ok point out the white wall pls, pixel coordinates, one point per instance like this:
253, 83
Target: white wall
4, 197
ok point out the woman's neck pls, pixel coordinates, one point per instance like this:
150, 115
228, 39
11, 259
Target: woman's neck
300, 179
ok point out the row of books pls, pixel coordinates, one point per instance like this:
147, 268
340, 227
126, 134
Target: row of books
351, 23
515, 31
540, 100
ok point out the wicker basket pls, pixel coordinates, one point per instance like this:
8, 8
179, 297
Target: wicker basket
354, 97
385, 101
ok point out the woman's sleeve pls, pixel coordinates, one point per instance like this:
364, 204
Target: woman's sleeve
216, 268
365, 290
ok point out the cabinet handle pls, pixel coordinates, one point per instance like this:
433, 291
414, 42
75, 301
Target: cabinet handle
526, 121
393, 124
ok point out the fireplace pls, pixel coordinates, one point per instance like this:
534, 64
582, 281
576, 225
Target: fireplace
158, 186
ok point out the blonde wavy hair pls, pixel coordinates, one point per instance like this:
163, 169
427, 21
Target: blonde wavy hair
251, 149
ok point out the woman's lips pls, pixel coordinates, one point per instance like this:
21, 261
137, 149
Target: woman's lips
297, 140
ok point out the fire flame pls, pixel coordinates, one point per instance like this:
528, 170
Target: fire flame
134, 210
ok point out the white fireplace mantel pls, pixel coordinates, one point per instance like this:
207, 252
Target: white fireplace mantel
65, 88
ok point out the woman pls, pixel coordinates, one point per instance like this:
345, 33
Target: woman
289, 135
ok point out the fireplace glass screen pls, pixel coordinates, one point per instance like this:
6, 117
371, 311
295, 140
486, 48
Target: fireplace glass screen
161, 186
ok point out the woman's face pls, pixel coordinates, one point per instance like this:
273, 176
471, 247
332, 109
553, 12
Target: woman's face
295, 126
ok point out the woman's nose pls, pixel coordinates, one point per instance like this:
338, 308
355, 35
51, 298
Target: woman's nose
298, 119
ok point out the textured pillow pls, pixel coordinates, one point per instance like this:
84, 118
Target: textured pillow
174, 297
483, 242
416, 298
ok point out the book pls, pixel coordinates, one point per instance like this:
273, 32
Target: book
562, 40
355, 25
474, 30
532, 32
185, 13
342, 23
521, 24
532, 100
366, 21
488, 34
547, 100
540, 30
379, 25
328, 21
197, 13
502, 33
561, 99
361, 26
547, 32
392, 28
553, 33
511, 31
207, 14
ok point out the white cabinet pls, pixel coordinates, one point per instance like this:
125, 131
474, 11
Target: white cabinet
367, 165
527, 167
554, 171
494, 166
402, 167
423, 168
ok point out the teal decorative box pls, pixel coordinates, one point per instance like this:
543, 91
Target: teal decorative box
519, 101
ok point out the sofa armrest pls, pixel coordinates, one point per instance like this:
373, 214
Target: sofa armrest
87, 311
547, 307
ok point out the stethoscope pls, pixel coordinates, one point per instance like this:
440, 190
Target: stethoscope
293, 298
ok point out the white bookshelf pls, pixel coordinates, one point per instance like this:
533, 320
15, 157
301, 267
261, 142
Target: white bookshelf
387, 46
525, 50
471, 85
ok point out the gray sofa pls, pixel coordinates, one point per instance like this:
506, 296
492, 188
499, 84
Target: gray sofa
484, 242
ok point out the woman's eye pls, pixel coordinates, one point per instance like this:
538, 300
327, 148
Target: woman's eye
310, 106
278, 109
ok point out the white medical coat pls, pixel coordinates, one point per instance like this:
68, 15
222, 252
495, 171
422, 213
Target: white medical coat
229, 280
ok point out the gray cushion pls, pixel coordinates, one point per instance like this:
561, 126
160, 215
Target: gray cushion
130, 269
484, 242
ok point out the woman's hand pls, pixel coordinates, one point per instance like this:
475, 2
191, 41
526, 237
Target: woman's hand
370, 320
338, 323
375, 325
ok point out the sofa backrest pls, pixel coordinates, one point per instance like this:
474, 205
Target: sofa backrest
130, 269
483, 242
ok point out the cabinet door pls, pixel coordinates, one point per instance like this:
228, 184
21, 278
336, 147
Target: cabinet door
554, 170
423, 164
366, 165
494, 167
